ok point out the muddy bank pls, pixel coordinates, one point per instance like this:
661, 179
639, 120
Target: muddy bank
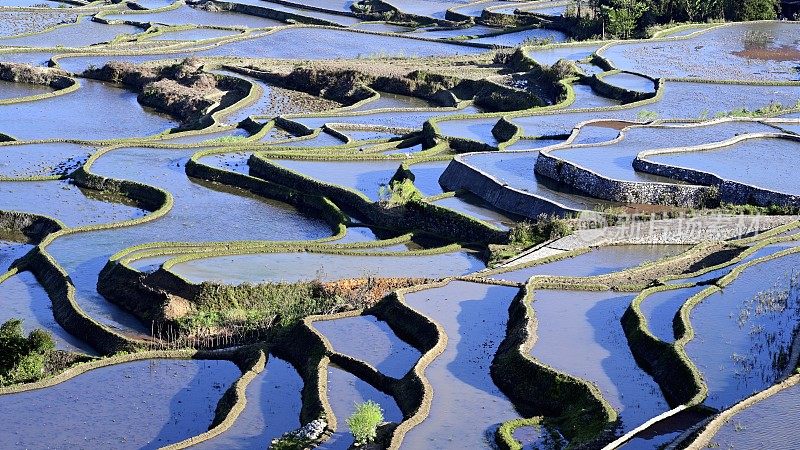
349, 86
23, 73
183, 90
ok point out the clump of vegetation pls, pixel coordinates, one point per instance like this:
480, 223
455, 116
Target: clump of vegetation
772, 109
221, 310
647, 116
23, 358
398, 192
184, 89
255, 306
527, 234
544, 228
549, 436
364, 421
625, 19
224, 140
752, 210
23, 73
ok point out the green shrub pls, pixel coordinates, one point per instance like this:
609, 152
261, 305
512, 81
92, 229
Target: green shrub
399, 192
545, 228
527, 234
256, 306
226, 140
364, 421
22, 359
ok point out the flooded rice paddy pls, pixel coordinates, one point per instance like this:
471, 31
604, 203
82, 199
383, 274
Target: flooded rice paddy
410, 203
160, 402
756, 425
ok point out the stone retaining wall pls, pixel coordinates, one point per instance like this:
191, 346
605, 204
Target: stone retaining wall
459, 176
598, 186
729, 191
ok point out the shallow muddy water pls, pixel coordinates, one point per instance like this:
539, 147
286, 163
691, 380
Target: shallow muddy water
10, 251
598, 261
26, 56
290, 267
764, 424
345, 391
371, 340
550, 55
10, 90
24, 298
518, 37
186, 15
631, 82
660, 308
394, 101
598, 133
763, 156
467, 406
437, 9
273, 408
475, 129
743, 331
681, 100
747, 51
143, 404
82, 34
452, 33
32, 160
366, 177
426, 177
65, 202
195, 34
107, 112
586, 97
323, 43
596, 350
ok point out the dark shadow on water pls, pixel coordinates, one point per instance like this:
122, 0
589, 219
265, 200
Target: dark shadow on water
175, 429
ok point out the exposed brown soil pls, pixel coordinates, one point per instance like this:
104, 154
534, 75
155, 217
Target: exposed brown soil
465, 67
613, 124
781, 54
365, 292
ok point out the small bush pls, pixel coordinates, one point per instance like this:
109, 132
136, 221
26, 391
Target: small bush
399, 193
364, 422
22, 359
545, 228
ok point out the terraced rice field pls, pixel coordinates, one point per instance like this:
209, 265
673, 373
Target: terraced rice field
235, 224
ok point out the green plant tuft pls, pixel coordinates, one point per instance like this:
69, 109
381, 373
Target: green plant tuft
22, 359
364, 421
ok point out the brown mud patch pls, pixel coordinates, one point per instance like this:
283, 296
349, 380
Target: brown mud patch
781, 54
